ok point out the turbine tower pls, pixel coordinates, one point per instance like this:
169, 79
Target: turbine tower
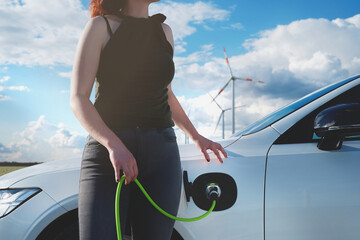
222, 115
177, 128
232, 78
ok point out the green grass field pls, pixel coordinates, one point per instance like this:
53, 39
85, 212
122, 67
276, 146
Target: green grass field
7, 169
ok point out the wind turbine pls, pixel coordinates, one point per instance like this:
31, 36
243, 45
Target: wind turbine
233, 78
222, 115
186, 136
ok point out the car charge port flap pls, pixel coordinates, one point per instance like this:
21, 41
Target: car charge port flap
222, 183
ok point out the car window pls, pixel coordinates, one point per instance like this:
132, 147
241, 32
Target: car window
303, 131
283, 112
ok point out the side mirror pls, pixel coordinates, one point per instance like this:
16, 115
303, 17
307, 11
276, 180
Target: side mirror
335, 123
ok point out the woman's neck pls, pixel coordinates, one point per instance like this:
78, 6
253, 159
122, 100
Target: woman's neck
136, 8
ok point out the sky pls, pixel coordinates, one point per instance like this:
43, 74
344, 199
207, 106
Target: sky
294, 47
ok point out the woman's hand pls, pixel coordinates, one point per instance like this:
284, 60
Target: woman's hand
203, 144
122, 158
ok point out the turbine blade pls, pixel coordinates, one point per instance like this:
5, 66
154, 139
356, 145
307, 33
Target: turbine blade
222, 112
222, 89
240, 106
227, 62
245, 79
235, 107
214, 101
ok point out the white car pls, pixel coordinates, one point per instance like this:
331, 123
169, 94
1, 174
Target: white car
293, 175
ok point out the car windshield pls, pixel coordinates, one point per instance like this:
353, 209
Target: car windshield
282, 112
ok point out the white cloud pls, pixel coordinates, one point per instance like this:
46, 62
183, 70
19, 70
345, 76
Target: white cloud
204, 114
18, 88
237, 26
181, 17
65, 74
299, 57
43, 141
4, 79
63, 138
30, 36
4, 97
14, 88
11, 88
307, 47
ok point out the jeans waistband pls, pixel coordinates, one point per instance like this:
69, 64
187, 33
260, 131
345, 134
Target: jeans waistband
143, 129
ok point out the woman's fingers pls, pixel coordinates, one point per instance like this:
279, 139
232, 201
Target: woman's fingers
117, 175
128, 172
215, 147
223, 152
217, 154
219, 147
203, 150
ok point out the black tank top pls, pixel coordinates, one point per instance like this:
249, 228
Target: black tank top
136, 66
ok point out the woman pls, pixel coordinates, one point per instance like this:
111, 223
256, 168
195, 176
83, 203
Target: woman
130, 123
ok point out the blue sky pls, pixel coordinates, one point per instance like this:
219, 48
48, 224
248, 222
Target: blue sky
295, 47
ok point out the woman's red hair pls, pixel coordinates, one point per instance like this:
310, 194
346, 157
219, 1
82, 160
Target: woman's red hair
100, 7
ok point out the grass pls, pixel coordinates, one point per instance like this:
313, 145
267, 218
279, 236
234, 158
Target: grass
7, 169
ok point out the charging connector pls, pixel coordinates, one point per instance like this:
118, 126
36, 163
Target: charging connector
213, 191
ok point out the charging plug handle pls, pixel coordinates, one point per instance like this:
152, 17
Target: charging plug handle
213, 191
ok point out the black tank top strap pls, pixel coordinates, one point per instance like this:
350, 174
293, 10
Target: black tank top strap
108, 25
159, 17
163, 39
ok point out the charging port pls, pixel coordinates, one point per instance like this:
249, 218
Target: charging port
213, 191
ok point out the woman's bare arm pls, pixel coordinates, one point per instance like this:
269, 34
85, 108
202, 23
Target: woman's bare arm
184, 123
181, 119
83, 75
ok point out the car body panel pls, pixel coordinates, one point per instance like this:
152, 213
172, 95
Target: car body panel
244, 220
28, 220
11, 178
62, 186
313, 194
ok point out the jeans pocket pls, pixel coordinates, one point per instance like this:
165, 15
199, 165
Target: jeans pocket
94, 149
91, 141
168, 134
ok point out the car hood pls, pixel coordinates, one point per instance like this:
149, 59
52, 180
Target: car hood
46, 167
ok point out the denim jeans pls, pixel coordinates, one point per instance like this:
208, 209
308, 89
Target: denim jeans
159, 171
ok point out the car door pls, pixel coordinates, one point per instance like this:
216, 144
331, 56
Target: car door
240, 216
312, 193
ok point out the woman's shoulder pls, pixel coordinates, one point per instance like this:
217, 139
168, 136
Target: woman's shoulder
96, 25
95, 33
166, 27
168, 33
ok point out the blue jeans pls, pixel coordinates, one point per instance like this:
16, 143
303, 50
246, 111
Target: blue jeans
158, 160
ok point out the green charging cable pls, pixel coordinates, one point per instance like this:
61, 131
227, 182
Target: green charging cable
117, 211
